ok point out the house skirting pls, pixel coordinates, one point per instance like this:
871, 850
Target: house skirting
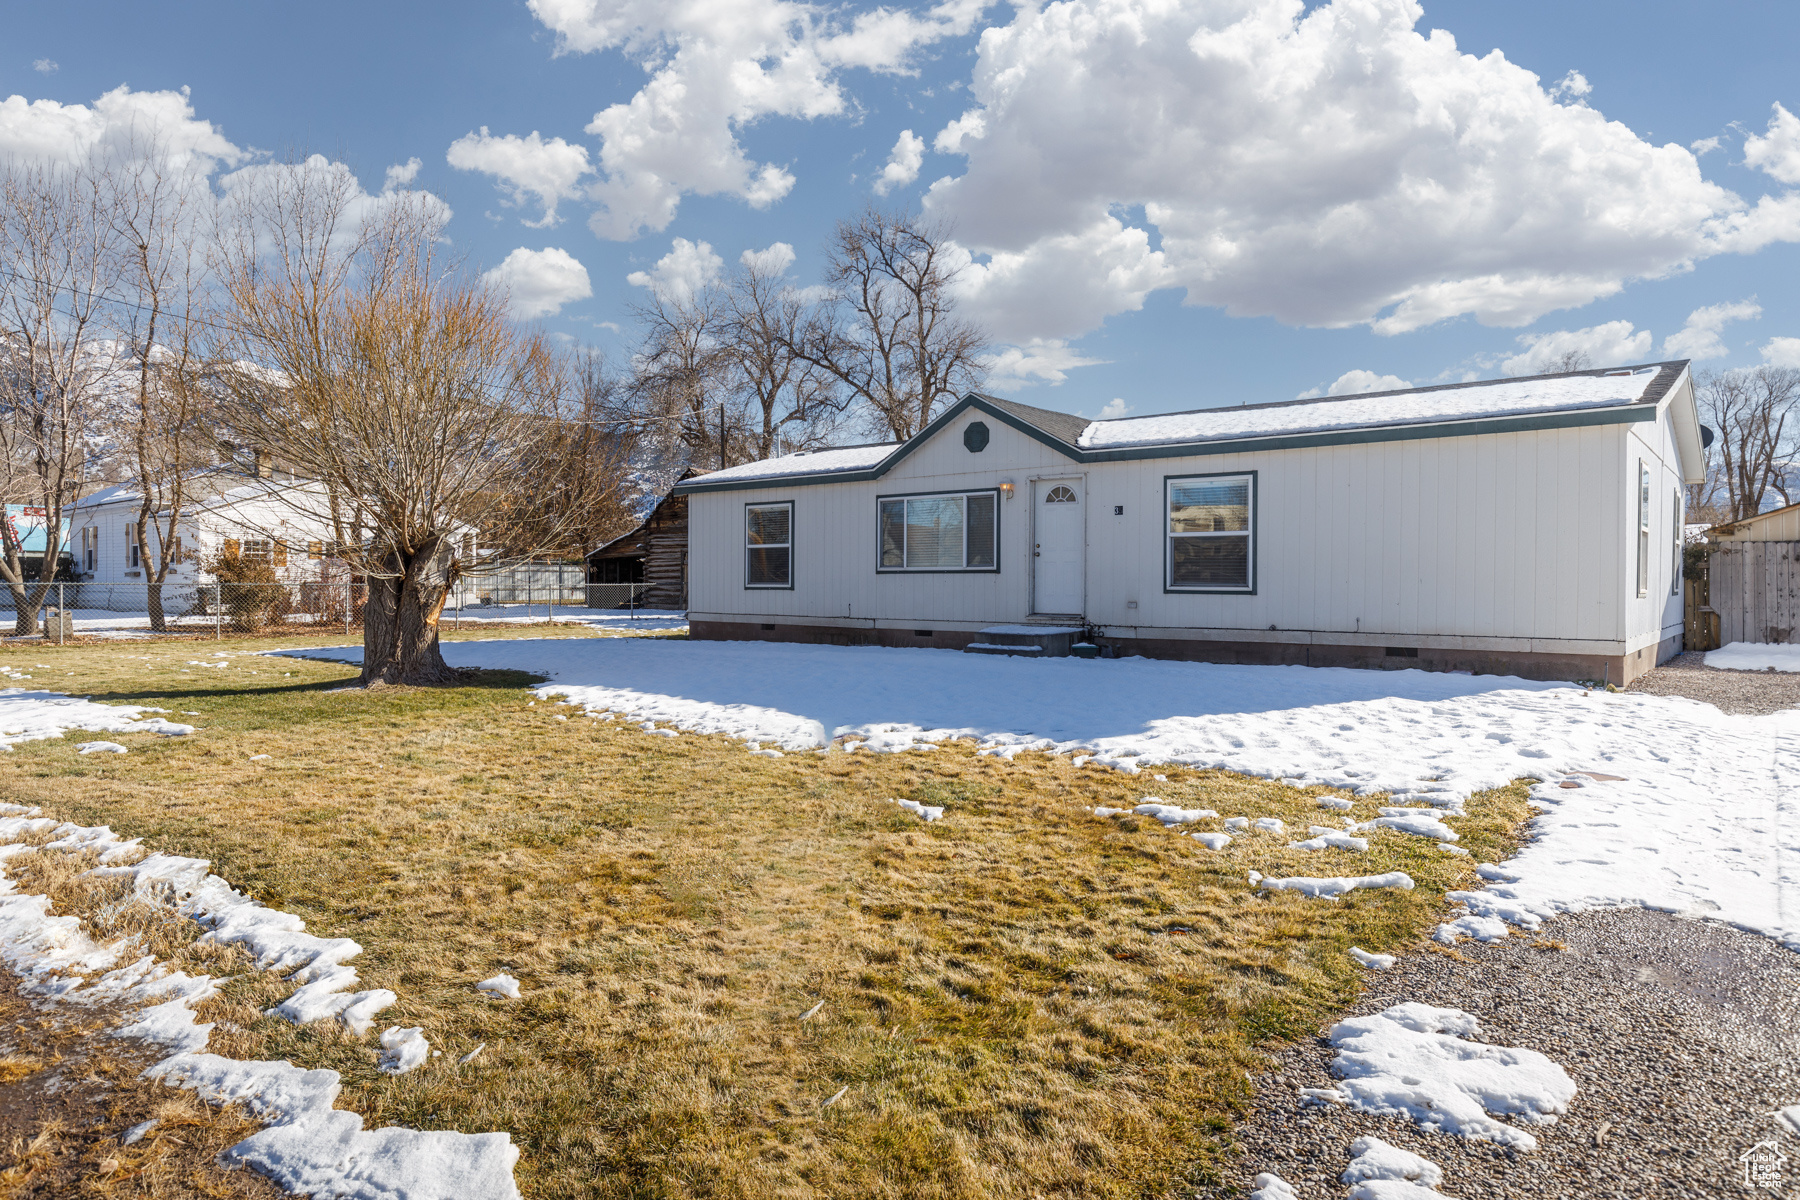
1619, 669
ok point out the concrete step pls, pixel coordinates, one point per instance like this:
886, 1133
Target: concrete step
1031, 641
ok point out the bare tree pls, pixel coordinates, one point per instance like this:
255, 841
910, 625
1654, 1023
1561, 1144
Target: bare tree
1756, 437
787, 401
679, 381
57, 269
396, 385
1570, 360
162, 216
890, 334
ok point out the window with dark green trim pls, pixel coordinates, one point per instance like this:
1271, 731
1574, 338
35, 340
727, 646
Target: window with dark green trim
1209, 539
769, 545
949, 531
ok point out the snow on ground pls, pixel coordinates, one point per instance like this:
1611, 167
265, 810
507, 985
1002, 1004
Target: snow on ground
1755, 656
308, 1146
1646, 800
1416, 1061
1383, 1172
99, 621
29, 716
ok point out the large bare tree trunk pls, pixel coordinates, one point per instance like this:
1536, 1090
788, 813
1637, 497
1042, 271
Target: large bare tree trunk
400, 619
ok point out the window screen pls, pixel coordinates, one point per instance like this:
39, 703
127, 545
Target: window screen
769, 545
1675, 544
1643, 513
954, 532
1210, 535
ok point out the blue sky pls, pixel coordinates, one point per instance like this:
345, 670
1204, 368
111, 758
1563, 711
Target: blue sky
1331, 188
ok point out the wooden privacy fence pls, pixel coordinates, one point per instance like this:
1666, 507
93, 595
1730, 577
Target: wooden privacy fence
1755, 589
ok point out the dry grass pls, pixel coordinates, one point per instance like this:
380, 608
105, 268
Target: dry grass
1019, 1000
68, 1090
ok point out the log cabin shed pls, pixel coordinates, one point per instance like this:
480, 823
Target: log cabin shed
1524, 526
655, 554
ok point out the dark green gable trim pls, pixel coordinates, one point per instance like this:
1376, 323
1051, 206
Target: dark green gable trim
1624, 414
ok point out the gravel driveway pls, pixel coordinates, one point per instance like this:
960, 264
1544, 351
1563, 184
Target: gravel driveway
1749, 692
1682, 1036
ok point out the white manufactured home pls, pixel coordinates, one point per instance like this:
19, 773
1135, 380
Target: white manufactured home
1516, 526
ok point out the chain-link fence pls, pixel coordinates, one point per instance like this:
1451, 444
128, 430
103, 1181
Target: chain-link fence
218, 609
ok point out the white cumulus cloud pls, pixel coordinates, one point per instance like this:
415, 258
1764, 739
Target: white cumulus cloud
1326, 165
683, 272
1613, 344
401, 174
772, 262
1038, 361
715, 67
45, 66
1699, 335
546, 169
1778, 150
903, 163
119, 121
1351, 383
540, 282
1114, 409
1782, 352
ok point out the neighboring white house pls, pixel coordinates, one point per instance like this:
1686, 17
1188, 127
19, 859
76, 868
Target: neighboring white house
252, 516
1522, 526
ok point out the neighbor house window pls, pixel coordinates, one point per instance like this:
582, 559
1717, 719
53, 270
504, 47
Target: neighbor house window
1211, 533
769, 545
1675, 544
90, 547
131, 544
1643, 514
257, 549
950, 531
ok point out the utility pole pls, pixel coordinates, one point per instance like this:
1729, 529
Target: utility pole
721, 436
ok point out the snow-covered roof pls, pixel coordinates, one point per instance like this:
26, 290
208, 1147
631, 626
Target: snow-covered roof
1495, 398
806, 462
1326, 418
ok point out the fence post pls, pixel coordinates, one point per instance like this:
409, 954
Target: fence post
528, 595
62, 613
347, 600
218, 612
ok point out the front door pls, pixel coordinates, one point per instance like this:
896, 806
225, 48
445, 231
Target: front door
1058, 541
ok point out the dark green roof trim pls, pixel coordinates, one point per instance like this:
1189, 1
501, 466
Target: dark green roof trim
1623, 414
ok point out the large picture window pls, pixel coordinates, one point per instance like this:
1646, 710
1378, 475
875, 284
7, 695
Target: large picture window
955, 531
1211, 533
769, 545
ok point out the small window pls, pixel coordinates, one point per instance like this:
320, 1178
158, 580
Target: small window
769, 545
131, 544
1643, 515
257, 549
1211, 533
1675, 526
1061, 494
956, 531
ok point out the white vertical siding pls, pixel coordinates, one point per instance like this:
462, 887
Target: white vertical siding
1516, 541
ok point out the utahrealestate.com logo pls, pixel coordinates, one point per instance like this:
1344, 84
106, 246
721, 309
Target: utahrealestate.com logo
1763, 1165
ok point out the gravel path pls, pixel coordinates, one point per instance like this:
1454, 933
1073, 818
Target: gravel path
1749, 692
1682, 1036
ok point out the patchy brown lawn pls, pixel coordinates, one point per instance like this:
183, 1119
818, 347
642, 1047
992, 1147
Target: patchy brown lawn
1022, 999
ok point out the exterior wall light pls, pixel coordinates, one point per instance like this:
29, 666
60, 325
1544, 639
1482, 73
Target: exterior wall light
1006, 488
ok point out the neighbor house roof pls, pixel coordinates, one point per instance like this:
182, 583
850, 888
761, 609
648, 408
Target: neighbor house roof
1569, 398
